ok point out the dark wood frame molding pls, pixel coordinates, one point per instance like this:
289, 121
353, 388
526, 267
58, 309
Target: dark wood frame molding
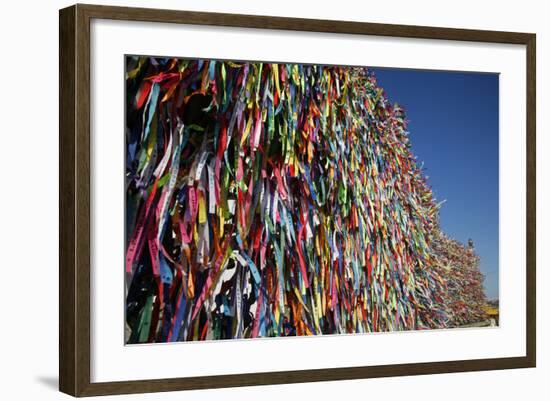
74, 199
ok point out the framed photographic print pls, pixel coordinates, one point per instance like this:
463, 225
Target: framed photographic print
250, 200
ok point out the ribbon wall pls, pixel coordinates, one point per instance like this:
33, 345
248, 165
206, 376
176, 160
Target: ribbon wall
465, 299
276, 200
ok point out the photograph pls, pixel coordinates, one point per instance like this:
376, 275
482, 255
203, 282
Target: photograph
276, 199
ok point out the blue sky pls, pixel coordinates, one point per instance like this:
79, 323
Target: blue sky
453, 125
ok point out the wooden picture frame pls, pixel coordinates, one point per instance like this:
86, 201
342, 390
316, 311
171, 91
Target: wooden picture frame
75, 207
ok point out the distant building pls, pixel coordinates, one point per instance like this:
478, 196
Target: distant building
492, 313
